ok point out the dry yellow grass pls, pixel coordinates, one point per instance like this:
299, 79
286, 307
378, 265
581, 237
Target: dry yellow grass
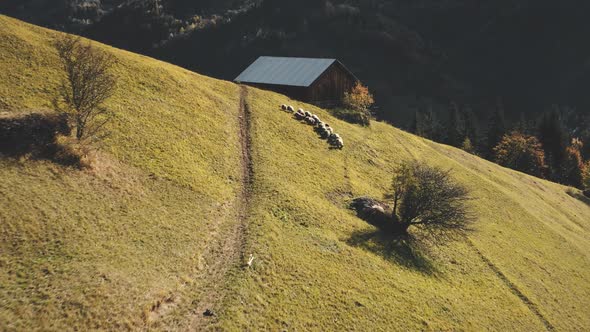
96, 249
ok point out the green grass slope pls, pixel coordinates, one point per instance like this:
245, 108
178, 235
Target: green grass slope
96, 249
99, 248
525, 267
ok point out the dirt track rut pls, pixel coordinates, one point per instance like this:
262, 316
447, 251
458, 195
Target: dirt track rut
229, 252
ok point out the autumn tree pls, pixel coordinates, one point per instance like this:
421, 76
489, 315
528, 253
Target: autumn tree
427, 198
573, 165
360, 100
89, 82
521, 152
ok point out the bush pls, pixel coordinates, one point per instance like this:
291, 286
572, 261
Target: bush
352, 116
427, 198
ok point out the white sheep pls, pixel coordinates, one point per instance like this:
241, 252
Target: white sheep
339, 143
299, 115
284, 107
336, 141
290, 108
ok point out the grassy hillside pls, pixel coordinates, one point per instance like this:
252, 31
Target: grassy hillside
99, 248
319, 267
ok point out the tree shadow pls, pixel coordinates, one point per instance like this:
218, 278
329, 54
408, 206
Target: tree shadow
579, 195
34, 135
400, 249
388, 239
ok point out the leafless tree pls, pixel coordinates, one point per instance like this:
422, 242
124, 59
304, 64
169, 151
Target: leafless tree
428, 198
89, 82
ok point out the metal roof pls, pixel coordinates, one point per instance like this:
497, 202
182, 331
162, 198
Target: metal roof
285, 71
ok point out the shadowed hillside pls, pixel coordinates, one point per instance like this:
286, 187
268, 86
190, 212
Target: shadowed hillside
412, 54
140, 240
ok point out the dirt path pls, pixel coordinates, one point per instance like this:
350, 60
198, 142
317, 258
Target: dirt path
513, 288
229, 253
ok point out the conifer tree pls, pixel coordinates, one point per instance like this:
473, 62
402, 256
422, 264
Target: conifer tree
496, 128
552, 136
427, 125
455, 128
470, 126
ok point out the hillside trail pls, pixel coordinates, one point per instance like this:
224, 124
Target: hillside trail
533, 308
230, 251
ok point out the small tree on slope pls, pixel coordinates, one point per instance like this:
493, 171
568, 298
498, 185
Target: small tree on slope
427, 198
89, 82
359, 100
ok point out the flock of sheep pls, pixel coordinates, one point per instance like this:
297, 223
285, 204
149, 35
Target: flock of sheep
320, 127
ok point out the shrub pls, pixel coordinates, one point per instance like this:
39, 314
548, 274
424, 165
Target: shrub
352, 116
521, 152
428, 198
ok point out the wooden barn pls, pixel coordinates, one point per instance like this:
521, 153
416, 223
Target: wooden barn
318, 81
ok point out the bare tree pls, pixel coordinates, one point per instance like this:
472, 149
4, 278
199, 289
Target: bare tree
88, 84
427, 197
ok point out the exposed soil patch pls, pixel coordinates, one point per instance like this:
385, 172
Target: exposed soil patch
230, 251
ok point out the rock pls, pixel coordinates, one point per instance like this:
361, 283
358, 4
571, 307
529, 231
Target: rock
372, 211
208, 313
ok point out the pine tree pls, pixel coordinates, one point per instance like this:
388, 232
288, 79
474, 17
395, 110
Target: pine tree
455, 128
583, 133
496, 128
470, 126
427, 125
523, 125
467, 146
553, 138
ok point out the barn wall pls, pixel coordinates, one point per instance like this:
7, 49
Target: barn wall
294, 92
330, 87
